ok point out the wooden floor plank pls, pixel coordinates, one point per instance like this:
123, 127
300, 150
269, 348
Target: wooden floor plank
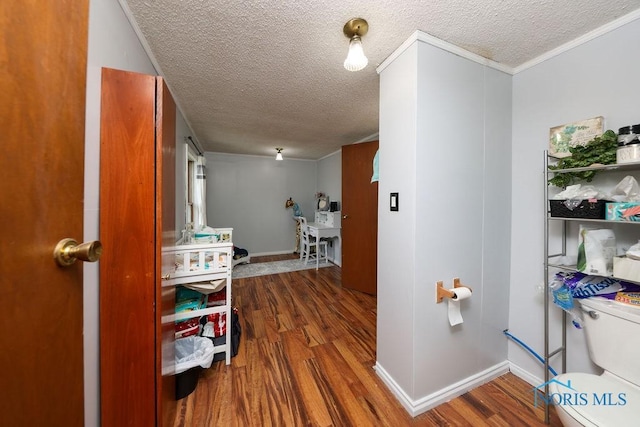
469, 411
509, 407
341, 379
452, 417
306, 358
330, 400
376, 396
311, 387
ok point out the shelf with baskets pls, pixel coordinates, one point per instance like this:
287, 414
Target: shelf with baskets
592, 213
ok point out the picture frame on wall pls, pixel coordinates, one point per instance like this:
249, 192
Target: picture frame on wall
564, 137
323, 203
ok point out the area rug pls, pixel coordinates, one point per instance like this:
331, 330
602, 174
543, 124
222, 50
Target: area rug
263, 268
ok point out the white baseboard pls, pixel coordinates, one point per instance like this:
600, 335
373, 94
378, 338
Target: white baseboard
525, 375
417, 407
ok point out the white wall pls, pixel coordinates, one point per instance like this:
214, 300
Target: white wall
445, 132
396, 244
594, 79
248, 193
496, 248
114, 44
329, 179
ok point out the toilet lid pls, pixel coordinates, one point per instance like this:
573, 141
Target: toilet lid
600, 400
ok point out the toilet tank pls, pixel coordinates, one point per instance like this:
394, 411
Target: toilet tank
613, 336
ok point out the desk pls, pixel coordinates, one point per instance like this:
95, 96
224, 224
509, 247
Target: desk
321, 231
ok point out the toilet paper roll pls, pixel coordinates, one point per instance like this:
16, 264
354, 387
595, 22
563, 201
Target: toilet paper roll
459, 294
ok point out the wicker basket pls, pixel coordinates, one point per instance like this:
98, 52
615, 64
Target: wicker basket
587, 209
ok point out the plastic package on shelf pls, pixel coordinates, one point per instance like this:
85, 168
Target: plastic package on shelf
187, 328
596, 250
566, 287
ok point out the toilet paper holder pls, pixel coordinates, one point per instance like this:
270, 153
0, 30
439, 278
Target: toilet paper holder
442, 293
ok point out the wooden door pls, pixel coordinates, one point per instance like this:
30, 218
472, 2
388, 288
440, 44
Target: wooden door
42, 117
165, 237
137, 161
360, 218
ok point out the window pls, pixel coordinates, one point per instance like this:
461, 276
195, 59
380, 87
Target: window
190, 188
195, 192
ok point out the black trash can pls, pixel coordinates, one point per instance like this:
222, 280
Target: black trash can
193, 353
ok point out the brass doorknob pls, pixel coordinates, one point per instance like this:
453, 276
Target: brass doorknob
67, 251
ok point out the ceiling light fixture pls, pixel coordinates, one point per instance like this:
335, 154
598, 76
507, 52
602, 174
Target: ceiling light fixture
355, 29
279, 154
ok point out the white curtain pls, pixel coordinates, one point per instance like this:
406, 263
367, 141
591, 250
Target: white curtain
200, 194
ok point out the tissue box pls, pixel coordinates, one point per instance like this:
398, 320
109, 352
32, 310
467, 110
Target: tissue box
626, 268
588, 209
632, 298
623, 211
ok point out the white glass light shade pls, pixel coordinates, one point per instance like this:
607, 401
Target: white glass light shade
356, 60
279, 156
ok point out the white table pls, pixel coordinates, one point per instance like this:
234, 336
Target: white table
321, 231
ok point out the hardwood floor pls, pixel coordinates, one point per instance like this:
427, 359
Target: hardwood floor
306, 358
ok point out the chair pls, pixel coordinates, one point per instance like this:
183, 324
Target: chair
310, 247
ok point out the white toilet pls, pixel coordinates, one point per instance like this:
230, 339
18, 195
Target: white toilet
613, 398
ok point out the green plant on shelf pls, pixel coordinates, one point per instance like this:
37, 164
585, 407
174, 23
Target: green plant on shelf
600, 150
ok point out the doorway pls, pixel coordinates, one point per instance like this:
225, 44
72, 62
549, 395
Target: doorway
360, 218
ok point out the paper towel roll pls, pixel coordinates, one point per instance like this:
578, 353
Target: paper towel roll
455, 317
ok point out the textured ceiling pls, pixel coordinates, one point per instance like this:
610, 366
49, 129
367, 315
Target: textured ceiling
254, 75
